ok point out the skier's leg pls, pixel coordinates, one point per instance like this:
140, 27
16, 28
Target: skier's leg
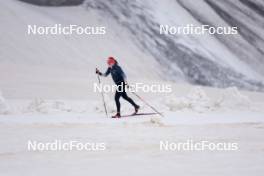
127, 98
117, 97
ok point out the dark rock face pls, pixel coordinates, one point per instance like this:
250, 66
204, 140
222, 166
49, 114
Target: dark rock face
178, 58
184, 57
54, 2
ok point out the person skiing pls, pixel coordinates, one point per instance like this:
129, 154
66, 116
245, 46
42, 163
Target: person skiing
119, 78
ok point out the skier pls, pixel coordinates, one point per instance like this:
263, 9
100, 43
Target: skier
119, 78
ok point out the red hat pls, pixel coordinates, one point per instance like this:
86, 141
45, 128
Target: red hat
111, 61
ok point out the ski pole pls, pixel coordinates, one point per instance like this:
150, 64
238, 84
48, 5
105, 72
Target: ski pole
103, 97
154, 109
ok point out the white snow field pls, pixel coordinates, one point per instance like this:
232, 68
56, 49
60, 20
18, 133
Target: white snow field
133, 143
46, 86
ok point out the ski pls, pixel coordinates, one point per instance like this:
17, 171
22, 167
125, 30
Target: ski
139, 114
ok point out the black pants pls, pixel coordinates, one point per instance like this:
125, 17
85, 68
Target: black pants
121, 92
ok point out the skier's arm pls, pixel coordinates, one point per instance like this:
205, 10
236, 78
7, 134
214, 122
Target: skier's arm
103, 74
123, 74
107, 72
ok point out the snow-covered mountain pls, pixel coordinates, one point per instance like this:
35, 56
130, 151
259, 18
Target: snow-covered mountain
218, 60
133, 37
54, 2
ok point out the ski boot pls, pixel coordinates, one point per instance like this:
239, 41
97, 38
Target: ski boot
117, 115
136, 110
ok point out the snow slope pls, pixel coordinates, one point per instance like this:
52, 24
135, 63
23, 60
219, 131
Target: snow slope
219, 61
45, 64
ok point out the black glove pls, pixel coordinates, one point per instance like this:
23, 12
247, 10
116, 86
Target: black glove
98, 72
126, 84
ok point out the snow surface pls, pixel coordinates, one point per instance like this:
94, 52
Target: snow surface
132, 144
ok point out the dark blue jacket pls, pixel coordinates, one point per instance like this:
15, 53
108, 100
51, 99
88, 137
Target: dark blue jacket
117, 73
